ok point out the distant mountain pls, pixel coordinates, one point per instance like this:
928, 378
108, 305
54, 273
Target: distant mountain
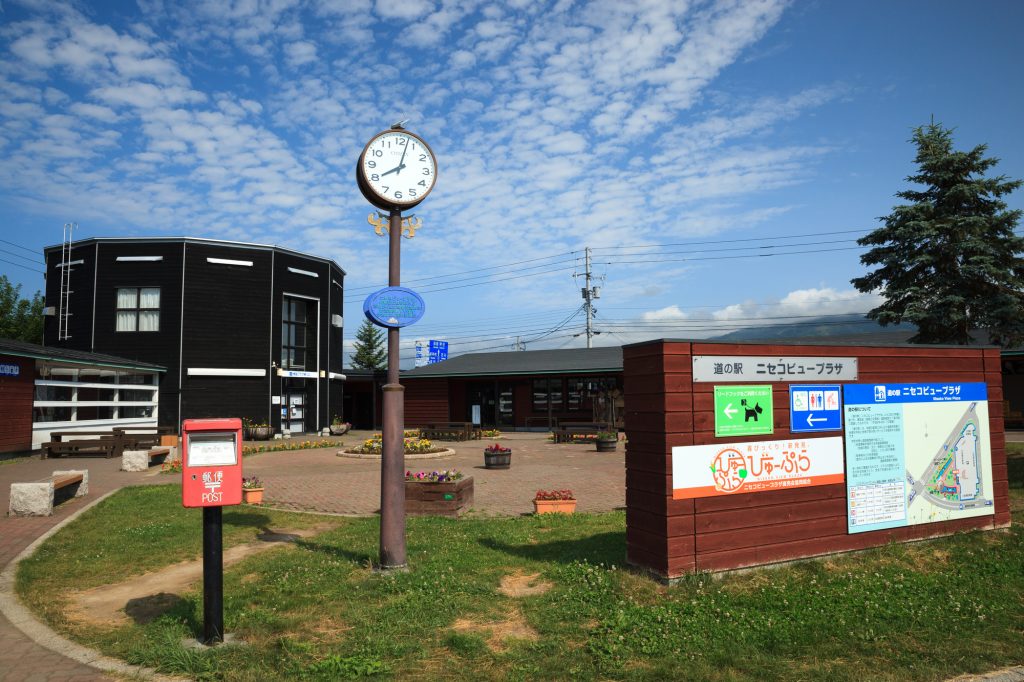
832, 325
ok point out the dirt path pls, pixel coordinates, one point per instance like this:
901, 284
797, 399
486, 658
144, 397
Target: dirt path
145, 597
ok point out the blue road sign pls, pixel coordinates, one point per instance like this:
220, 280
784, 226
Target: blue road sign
438, 351
815, 407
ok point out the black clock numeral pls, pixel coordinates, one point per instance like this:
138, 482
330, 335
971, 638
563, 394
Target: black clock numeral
398, 195
371, 164
385, 188
378, 152
426, 171
422, 183
423, 157
401, 142
375, 177
412, 192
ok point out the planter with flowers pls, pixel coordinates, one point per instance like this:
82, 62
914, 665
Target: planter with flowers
252, 490
256, 430
438, 493
607, 441
339, 427
554, 502
497, 457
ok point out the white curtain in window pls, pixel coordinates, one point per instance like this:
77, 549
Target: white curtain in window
126, 321
127, 298
149, 321
150, 297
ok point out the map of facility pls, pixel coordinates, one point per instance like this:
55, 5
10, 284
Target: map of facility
916, 453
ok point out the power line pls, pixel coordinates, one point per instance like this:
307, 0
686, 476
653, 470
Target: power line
492, 267
10, 262
18, 255
749, 255
727, 241
19, 246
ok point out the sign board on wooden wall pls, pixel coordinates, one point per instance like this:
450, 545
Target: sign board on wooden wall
743, 411
756, 466
916, 453
747, 368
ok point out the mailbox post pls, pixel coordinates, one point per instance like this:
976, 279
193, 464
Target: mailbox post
211, 477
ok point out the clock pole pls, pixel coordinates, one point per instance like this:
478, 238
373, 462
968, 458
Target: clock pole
394, 307
392, 469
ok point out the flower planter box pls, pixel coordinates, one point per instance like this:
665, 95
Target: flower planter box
339, 429
252, 495
554, 506
495, 459
439, 499
257, 432
607, 445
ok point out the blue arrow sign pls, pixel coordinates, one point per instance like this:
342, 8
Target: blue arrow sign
816, 407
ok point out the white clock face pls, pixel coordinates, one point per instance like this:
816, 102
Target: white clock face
398, 167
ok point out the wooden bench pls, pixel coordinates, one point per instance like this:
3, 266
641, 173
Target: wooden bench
36, 498
83, 444
451, 431
567, 432
141, 460
142, 437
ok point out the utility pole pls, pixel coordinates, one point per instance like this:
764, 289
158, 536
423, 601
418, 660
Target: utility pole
589, 295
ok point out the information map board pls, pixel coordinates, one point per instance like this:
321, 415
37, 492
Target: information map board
916, 453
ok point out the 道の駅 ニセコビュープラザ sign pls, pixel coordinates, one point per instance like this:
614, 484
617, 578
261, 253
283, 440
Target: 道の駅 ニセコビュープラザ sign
758, 368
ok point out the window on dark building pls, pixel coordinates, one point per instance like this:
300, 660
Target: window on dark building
298, 333
545, 392
138, 309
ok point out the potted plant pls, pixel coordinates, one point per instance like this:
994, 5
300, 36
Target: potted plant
339, 427
256, 430
497, 457
438, 493
607, 441
252, 490
554, 502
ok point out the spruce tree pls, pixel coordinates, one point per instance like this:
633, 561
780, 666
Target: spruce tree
949, 260
370, 352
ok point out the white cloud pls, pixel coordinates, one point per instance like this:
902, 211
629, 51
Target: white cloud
299, 53
407, 10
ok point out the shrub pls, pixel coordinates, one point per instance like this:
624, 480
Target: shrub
554, 495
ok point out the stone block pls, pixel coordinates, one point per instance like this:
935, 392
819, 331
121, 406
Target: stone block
83, 487
135, 460
31, 499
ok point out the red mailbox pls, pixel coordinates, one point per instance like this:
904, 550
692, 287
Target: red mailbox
211, 473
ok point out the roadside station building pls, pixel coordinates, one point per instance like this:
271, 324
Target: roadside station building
522, 390
242, 330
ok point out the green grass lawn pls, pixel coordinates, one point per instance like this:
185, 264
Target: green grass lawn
316, 611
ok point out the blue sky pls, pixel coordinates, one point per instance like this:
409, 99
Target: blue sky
670, 137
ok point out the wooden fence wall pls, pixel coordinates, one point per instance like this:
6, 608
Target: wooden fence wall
665, 408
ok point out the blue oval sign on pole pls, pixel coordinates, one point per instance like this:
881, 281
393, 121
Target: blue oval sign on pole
394, 307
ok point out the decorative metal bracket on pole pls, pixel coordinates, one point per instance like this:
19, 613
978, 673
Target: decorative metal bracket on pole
381, 224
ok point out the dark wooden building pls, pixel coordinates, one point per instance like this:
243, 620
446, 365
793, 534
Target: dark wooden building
244, 330
520, 390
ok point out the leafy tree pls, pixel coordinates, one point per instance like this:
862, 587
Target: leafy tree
949, 261
370, 352
20, 319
